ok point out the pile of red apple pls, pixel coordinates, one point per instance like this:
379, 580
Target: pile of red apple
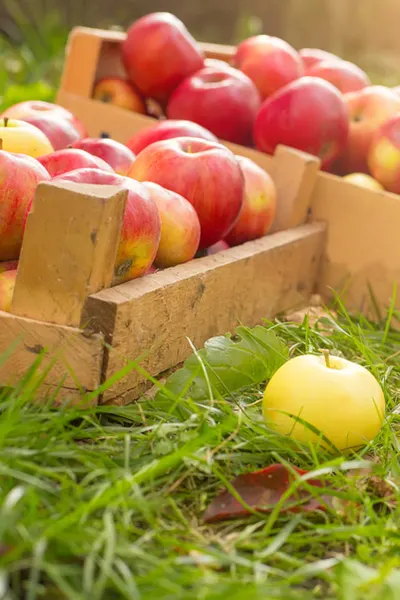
188, 195
269, 94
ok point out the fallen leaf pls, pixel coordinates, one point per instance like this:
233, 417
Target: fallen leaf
261, 491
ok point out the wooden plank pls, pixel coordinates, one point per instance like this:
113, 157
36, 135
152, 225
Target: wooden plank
99, 117
81, 60
69, 250
151, 318
77, 356
362, 242
294, 174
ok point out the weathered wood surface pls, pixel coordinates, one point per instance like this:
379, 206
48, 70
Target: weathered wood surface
150, 319
75, 357
69, 250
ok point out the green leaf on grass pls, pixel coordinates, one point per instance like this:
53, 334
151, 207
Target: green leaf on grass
227, 364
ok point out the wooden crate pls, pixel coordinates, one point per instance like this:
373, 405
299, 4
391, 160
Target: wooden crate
63, 304
362, 243
64, 307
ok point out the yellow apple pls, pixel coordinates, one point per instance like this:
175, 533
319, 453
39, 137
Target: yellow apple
23, 138
339, 398
364, 180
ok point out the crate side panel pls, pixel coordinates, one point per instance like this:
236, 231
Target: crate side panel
151, 319
99, 118
78, 357
362, 242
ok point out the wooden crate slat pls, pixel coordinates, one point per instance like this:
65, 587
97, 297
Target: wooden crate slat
78, 357
151, 317
69, 251
362, 242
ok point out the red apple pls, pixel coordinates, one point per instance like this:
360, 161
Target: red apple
270, 62
205, 173
159, 53
8, 265
180, 227
384, 155
368, 109
166, 130
140, 235
200, 98
217, 247
344, 75
314, 56
120, 92
118, 156
60, 132
71, 159
259, 206
38, 107
19, 177
309, 114
7, 286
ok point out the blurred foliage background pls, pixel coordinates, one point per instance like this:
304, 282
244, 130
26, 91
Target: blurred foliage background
33, 33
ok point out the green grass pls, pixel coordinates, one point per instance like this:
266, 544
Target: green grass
107, 503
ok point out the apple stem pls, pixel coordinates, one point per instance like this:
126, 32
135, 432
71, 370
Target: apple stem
326, 356
6, 121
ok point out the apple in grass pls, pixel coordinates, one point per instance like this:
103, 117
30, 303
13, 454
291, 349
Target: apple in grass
314, 56
117, 155
223, 100
339, 398
70, 159
119, 92
368, 109
23, 138
166, 130
259, 205
141, 227
180, 227
207, 174
7, 286
271, 63
30, 108
19, 178
159, 53
384, 155
310, 115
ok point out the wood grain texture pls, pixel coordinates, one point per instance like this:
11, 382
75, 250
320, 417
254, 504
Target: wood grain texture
69, 250
77, 356
150, 319
362, 243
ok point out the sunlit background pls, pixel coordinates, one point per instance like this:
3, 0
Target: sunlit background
34, 32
